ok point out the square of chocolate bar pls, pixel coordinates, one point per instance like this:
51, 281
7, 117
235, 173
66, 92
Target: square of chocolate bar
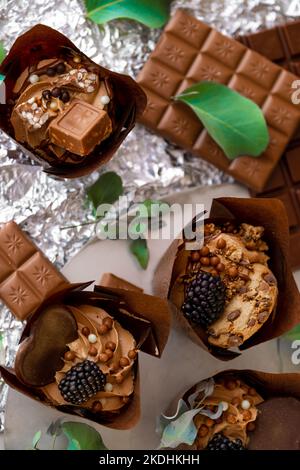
80, 128
190, 51
26, 276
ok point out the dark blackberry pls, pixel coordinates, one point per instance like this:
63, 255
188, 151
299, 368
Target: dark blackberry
220, 442
204, 299
82, 382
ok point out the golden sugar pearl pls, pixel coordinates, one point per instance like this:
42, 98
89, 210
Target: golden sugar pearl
119, 379
69, 356
132, 354
214, 260
232, 271
85, 331
230, 384
205, 261
204, 251
103, 357
108, 322
102, 330
220, 267
109, 353
221, 243
124, 361
93, 351
110, 345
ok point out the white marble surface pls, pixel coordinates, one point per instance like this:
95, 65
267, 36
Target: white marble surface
181, 365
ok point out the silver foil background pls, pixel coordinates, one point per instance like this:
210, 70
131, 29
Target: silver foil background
147, 164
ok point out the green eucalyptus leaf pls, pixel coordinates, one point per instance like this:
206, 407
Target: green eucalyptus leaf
293, 334
164, 420
236, 123
140, 250
152, 13
2, 53
106, 190
155, 208
36, 439
180, 431
81, 436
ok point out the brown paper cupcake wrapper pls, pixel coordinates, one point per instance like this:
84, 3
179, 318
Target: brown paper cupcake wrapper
270, 214
42, 42
146, 317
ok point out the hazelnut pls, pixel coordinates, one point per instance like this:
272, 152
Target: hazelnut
103, 357
69, 356
102, 330
195, 256
220, 267
108, 322
204, 251
232, 271
230, 418
97, 406
124, 361
114, 368
132, 354
93, 351
221, 243
214, 260
110, 345
85, 331
205, 261
252, 392
203, 431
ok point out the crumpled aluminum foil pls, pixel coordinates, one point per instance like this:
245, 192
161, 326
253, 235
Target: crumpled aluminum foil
44, 205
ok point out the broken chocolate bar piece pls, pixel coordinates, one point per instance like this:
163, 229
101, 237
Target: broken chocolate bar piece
80, 128
281, 44
190, 51
26, 275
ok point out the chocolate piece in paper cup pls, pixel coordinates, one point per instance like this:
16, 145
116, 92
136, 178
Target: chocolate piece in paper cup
79, 349
236, 410
238, 290
68, 113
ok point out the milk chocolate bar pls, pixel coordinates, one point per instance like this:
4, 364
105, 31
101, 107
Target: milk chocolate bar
280, 44
26, 276
80, 127
190, 51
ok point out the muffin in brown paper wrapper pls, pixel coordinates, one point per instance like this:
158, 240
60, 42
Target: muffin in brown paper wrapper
128, 100
147, 320
268, 213
57, 313
267, 386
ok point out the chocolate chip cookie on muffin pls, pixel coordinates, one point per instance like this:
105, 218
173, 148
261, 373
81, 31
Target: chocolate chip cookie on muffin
227, 287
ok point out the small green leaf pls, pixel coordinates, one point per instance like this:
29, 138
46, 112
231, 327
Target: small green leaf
293, 334
82, 436
140, 250
155, 208
2, 53
106, 190
36, 439
236, 123
152, 13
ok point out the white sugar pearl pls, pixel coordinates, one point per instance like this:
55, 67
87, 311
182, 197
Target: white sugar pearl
92, 338
34, 78
53, 105
31, 100
225, 405
105, 99
108, 387
246, 404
